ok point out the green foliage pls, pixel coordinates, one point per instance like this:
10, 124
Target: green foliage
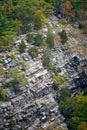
33, 52
38, 40
81, 26
59, 70
30, 37
6, 33
12, 123
75, 110
63, 36
64, 93
13, 83
31, 12
24, 65
2, 94
16, 79
11, 113
85, 92
79, 7
74, 122
50, 39
37, 23
1, 71
18, 82
13, 56
46, 60
66, 108
17, 16
59, 80
17, 25
22, 46
0, 60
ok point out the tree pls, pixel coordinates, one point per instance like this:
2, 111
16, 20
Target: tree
6, 33
66, 108
18, 15
30, 37
63, 36
17, 25
33, 52
38, 40
74, 122
37, 22
64, 93
2, 94
18, 82
80, 106
22, 46
12, 123
46, 59
16, 79
75, 110
59, 80
50, 39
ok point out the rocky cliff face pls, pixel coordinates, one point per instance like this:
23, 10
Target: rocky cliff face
33, 106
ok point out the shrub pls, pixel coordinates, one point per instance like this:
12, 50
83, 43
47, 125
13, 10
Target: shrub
50, 39
81, 26
2, 94
22, 46
38, 40
63, 36
46, 60
33, 52
30, 37
59, 80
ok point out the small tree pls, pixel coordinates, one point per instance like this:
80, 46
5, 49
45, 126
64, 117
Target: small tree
63, 36
46, 60
30, 37
59, 80
38, 40
17, 79
37, 23
33, 52
64, 93
2, 94
22, 46
39, 18
50, 39
12, 123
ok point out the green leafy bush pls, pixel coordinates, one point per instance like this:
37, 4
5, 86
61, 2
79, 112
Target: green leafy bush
2, 94
38, 40
50, 39
30, 37
33, 52
22, 46
63, 36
